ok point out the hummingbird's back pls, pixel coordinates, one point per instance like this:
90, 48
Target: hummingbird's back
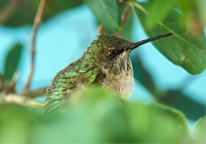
81, 72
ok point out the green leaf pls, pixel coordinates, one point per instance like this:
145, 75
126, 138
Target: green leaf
96, 116
26, 12
154, 10
16, 123
107, 13
183, 48
191, 108
12, 61
200, 130
193, 7
127, 29
167, 120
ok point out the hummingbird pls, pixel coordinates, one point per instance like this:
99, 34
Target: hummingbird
106, 62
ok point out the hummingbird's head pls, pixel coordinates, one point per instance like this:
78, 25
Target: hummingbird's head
112, 53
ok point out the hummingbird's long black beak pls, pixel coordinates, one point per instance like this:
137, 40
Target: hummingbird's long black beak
137, 44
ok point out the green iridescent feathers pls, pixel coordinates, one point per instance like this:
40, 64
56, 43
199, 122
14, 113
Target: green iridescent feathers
67, 80
83, 71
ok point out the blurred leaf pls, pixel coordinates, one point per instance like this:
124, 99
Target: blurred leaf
169, 121
12, 61
200, 130
191, 108
143, 76
92, 116
107, 13
154, 10
193, 8
95, 116
25, 14
183, 48
127, 29
16, 124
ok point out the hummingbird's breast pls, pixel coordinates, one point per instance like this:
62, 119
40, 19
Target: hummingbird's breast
121, 83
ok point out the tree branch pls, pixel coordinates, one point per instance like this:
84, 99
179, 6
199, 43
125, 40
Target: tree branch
101, 29
121, 2
125, 16
35, 93
36, 24
1, 82
9, 9
20, 100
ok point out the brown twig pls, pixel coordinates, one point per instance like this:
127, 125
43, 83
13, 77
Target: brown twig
9, 9
13, 98
125, 16
121, 2
36, 24
35, 93
101, 29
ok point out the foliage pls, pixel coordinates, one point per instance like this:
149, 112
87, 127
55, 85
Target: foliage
107, 12
200, 130
171, 97
96, 116
26, 12
183, 48
12, 61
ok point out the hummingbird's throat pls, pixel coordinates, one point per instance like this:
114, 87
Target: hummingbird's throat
125, 54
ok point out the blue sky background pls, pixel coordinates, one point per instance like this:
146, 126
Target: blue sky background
64, 38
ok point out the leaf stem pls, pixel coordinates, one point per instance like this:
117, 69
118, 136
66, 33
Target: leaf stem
125, 16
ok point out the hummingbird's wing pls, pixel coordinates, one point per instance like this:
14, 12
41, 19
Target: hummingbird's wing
81, 72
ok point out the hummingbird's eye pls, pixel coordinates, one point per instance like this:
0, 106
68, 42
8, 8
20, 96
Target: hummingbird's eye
115, 52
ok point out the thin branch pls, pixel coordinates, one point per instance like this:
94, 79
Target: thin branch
36, 24
9, 9
101, 29
35, 93
125, 16
20, 100
1, 81
121, 2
